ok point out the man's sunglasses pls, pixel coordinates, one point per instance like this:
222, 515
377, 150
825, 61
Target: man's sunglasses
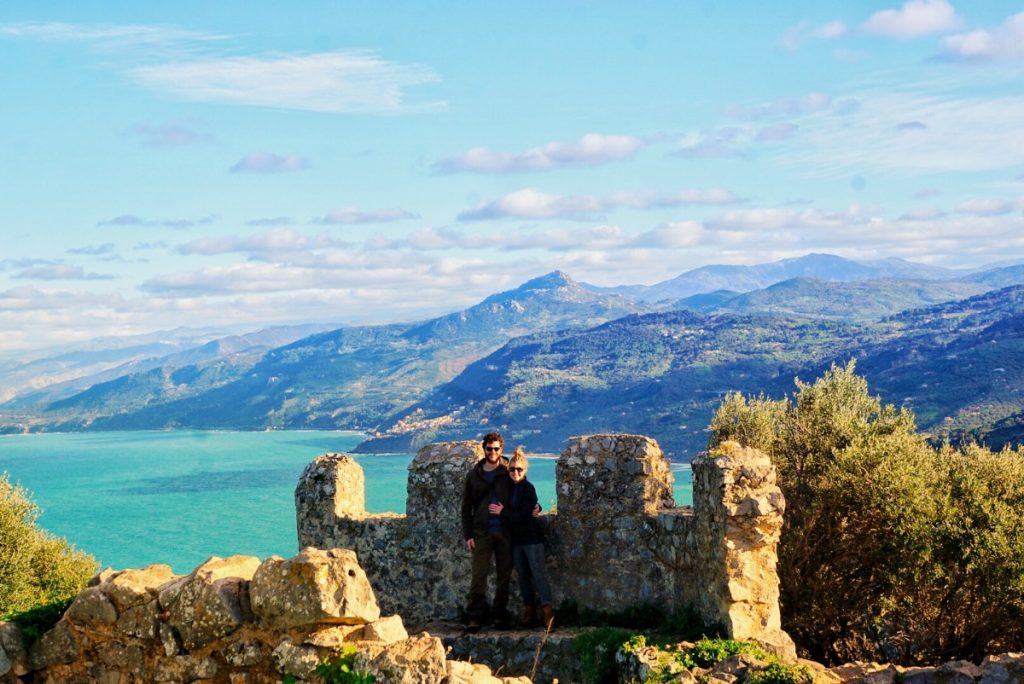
492, 448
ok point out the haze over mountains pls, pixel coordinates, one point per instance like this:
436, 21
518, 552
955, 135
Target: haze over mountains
553, 358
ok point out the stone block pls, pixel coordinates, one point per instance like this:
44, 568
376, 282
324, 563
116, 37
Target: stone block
184, 668
460, 672
56, 646
313, 587
334, 637
139, 621
417, 660
243, 653
118, 656
291, 659
210, 602
91, 607
388, 629
131, 588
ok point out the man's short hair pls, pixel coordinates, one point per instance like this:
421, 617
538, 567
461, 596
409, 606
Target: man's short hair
493, 437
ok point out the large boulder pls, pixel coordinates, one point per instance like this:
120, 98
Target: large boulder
131, 588
316, 586
417, 660
210, 602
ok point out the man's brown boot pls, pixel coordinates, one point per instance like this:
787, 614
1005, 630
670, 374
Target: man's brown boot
529, 616
549, 616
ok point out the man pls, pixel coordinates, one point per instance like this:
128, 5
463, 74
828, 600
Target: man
484, 496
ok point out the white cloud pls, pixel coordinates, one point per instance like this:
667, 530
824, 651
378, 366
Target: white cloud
531, 203
94, 250
911, 131
916, 18
338, 82
268, 162
29, 298
273, 241
59, 271
783, 106
596, 237
109, 36
776, 218
1004, 42
830, 31
647, 199
352, 216
795, 35
676, 235
133, 220
987, 207
718, 142
592, 149
270, 221
929, 214
6, 264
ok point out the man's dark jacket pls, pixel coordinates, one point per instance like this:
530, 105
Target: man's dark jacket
476, 497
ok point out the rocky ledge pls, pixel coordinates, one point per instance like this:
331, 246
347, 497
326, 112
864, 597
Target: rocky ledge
236, 620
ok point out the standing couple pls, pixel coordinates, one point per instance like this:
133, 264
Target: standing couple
499, 509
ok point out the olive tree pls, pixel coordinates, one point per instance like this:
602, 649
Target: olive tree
888, 542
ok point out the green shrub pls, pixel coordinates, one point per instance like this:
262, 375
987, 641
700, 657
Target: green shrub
892, 549
36, 568
709, 652
777, 673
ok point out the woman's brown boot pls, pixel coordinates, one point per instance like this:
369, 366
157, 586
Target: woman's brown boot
529, 616
549, 616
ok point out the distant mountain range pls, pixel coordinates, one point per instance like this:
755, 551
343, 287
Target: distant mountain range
958, 365
746, 278
553, 358
349, 378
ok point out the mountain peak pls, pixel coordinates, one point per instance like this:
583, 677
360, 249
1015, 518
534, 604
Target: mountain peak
548, 281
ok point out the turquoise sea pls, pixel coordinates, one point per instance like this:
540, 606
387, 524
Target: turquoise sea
179, 497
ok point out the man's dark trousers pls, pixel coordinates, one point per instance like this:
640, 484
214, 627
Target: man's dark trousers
498, 546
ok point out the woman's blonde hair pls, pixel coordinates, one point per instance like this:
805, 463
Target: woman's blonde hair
519, 457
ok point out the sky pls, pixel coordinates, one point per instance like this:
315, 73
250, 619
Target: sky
244, 164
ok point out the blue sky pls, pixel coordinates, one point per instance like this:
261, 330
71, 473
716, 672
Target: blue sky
245, 164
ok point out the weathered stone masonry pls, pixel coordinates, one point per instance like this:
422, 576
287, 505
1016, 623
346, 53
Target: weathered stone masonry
231, 621
617, 540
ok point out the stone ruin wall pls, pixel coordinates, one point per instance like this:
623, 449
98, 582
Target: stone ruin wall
616, 541
231, 621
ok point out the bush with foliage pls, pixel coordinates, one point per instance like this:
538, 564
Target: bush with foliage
36, 568
892, 549
671, 659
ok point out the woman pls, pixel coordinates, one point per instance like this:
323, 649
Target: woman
527, 543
